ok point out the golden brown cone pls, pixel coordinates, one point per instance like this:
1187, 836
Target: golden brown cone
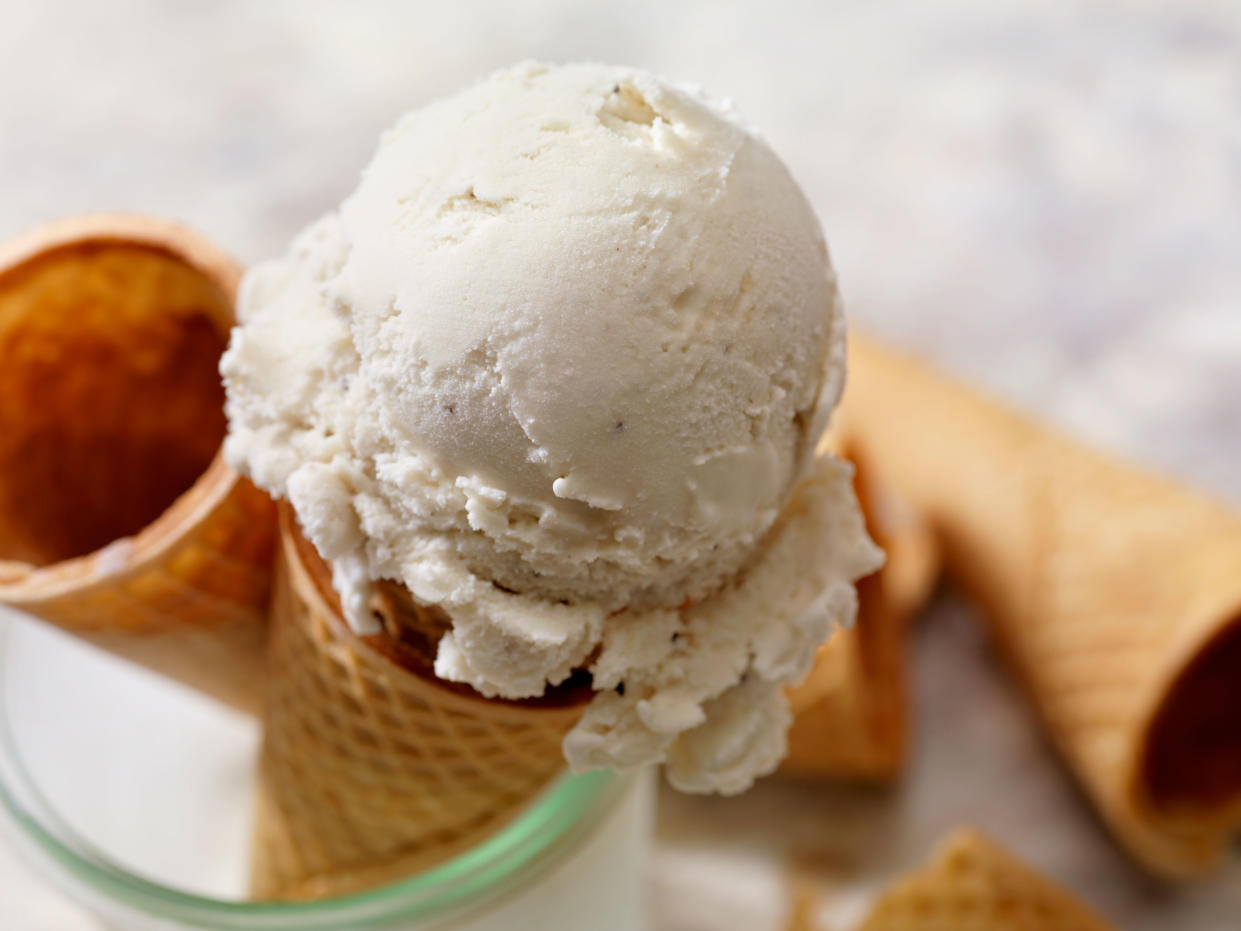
1115, 594
803, 899
973, 885
119, 521
370, 771
851, 712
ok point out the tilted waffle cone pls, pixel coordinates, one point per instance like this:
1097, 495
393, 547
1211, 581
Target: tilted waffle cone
973, 885
1115, 594
371, 769
119, 521
851, 711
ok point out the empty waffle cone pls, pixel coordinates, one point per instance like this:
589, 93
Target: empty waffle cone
119, 521
372, 769
973, 885
1115, 594
851, 712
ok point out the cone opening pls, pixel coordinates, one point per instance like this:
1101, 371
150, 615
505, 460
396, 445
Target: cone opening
111, 403
1192, 754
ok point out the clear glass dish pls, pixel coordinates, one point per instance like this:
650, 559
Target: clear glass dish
132, 796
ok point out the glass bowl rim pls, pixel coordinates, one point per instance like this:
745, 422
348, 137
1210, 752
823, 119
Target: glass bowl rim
567, 808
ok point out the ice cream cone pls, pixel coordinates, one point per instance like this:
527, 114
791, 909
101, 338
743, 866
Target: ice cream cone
371, 769
850, 713
973, 885
119, 521
1115, 594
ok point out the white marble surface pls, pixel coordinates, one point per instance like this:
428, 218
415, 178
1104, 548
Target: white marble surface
1043, 196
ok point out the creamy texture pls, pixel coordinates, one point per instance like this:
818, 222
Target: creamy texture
703, 684
557, 365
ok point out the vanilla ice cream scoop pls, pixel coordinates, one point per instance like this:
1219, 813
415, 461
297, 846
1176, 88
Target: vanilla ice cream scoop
559, 365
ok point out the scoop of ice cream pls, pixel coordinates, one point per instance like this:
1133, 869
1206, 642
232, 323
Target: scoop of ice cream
558, 365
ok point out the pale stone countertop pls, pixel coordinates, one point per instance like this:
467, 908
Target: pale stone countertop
1044, 197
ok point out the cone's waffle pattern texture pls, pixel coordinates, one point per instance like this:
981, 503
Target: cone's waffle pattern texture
119, 520
851, 712
1103, 585
972, 885
368, 771
195, 613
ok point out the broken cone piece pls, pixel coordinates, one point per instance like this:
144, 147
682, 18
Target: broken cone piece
974, 885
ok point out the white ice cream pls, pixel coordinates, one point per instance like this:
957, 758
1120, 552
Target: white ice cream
559, 366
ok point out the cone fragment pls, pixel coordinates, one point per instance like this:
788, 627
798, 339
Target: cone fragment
1115, 594
973, 885
851, 711
119, 521
371, 769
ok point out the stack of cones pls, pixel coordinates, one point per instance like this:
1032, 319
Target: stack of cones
973, 885
852, 710
372, 769
121, 524
119, 521
1115, 594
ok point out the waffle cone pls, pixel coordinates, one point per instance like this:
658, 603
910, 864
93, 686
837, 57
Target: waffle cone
973, 885
371, 769
119, 521
851, 712
1115, 594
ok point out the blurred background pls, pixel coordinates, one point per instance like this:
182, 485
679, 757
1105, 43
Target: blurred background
1044, 197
